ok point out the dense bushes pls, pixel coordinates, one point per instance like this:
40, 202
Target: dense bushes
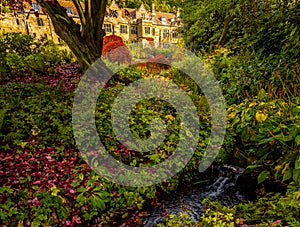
44, 180
53, 186
253, 49
21, 53
266, 27
268, 135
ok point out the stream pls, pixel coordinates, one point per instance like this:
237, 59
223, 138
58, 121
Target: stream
223, 187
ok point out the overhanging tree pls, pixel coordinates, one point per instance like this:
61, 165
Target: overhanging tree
86, 40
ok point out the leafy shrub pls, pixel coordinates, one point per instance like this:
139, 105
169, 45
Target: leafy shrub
13, 48
111, 38
269, 210
53, 186
156, 64
268, 135
21, 54
46, 57
182, 219
115, 50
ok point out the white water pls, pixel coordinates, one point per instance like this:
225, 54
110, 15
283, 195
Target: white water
188, 200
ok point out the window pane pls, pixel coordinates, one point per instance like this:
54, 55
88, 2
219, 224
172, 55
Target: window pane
165, 33
133, 30
69, 10
147, 30
40, 22
107, 27
123, 29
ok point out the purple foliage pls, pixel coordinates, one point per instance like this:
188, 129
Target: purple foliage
40, 170
66, 74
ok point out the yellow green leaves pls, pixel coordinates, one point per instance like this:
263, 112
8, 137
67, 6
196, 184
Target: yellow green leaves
297, 140
263, 176
35, 131
261, 116
297, 163
97, 203
54, 190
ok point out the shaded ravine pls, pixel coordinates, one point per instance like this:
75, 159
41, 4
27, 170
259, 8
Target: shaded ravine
223, 187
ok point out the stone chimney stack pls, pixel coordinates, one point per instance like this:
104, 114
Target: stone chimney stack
178, 12
153, 9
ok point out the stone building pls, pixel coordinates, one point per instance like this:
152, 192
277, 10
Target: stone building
133, 25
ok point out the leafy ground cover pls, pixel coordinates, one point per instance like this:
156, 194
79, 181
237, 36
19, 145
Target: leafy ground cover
45, 182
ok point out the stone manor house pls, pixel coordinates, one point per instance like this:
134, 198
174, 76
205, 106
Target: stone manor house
133, 25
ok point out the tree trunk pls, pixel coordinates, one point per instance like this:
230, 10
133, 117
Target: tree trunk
225, 31
86, 43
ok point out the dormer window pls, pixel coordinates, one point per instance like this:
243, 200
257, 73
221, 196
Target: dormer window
69, 10
172, 20
152, 18
113, 13
163, 20
36, 7
143, 16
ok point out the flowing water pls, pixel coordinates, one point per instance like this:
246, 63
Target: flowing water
223, 187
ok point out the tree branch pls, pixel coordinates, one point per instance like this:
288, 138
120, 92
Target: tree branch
225, 31
80, 11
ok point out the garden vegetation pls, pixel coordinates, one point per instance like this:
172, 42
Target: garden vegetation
253, 49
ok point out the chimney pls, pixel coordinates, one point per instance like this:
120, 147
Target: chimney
153, 9
178, 12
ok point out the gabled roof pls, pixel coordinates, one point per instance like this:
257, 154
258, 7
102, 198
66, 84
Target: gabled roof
128, 12
168, 16
142, 7
114, 6
124, 13
66, 4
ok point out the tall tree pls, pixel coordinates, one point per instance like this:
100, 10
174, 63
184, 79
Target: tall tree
84, 39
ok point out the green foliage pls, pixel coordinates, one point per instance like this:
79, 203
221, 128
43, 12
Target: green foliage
141, 116
272, 210
268, 133
162, 5
14, 46
31, 103
217, 215
244, 76
19, 52
267, 27
51, 205
269, 210
37, 117
46, 57
182, 219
